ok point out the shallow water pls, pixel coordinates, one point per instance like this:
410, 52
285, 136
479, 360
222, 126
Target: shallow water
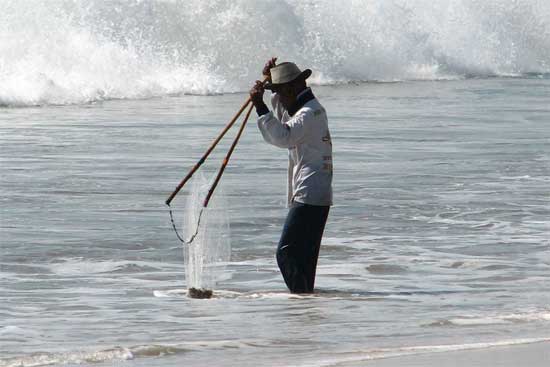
439, 234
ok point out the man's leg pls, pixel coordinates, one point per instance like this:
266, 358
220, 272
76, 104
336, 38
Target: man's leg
298, 248
317, 218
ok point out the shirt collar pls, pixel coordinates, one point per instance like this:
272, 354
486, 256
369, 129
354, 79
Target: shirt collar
304, 97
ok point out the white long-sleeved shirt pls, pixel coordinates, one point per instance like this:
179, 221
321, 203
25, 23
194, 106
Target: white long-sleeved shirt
307, 137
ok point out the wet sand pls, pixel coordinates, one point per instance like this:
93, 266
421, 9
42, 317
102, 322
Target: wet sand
532, 355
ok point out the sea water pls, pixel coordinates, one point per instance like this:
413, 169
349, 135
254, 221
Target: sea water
439, 236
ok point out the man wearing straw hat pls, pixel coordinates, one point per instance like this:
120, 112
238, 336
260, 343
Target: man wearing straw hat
298, 123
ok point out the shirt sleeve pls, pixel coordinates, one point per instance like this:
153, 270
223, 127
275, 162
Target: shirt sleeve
278, 109
283, 135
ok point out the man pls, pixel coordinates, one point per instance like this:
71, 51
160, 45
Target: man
299, 123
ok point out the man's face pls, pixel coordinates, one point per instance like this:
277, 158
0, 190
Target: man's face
287, 95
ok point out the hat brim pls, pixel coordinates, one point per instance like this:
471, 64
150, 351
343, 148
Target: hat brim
272, 86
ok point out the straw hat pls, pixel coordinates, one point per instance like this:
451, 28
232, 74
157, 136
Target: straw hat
284, 73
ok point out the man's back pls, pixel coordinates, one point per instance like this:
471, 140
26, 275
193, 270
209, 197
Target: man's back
310, 159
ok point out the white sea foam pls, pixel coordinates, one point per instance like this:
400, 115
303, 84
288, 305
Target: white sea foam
335, 294
179, 293
13, 330
501, 319
79, 357
495, 319
118, 353
157, 350
80, 266
61, 52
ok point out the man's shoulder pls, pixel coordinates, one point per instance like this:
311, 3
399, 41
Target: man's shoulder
314, 109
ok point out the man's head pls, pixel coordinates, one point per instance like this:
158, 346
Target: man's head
288, 81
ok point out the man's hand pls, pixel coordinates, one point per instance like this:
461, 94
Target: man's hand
257, 94
267, 67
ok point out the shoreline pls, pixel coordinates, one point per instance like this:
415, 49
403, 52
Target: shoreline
535, 354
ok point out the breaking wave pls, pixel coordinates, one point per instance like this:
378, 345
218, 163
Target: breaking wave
65, 52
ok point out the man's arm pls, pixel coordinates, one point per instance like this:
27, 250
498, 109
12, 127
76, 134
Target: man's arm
283, 135
257, 91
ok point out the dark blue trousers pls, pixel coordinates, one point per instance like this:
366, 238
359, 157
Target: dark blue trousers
298, 248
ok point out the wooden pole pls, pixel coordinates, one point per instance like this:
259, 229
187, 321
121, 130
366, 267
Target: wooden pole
212, 146
207, 153
226, 159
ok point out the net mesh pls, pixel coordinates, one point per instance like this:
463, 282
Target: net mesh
209, 252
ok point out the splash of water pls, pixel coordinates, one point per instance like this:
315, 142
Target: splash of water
60, 51
206, 256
